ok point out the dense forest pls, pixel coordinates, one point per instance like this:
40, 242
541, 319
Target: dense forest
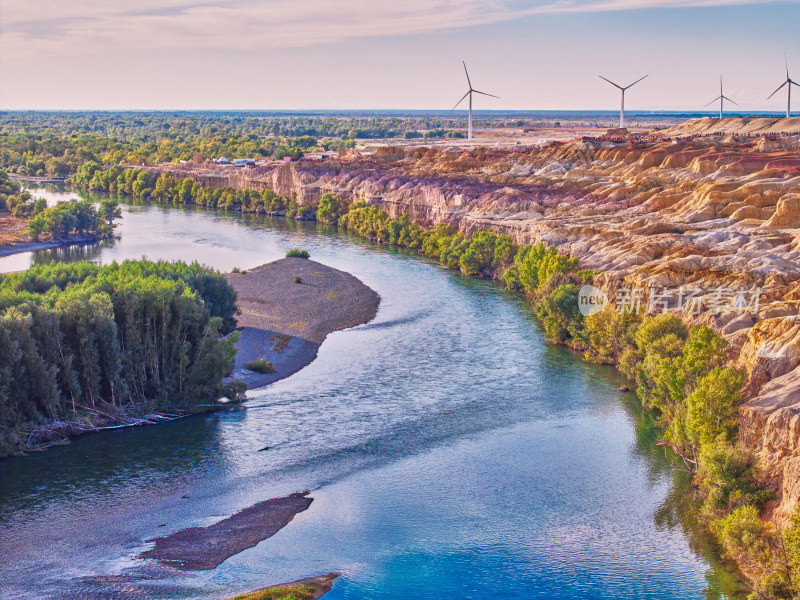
56, 144
80, 341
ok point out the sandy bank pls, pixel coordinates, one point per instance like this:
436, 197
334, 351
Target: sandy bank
285, 322
309, 588
203, 548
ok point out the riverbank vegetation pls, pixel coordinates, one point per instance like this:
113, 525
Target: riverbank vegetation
81, 342
11, 194
75, 217
139, 183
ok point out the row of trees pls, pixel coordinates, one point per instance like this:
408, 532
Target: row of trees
79, 340
184, 191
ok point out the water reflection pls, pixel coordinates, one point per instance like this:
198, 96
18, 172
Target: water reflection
77, 252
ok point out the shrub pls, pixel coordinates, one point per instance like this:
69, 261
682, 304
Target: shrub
728, 475
260, 366
743, 532
791, 540
609, 334
297, 253
330, 208
298, 279
558, 312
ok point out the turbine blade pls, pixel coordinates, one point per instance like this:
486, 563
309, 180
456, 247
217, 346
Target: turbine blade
611, 82
714, 100
786, 62
467, 72
635, 82
778, 90
485, 94
460, 101
794, 83
729, 100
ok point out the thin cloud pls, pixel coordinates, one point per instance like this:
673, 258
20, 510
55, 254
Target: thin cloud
82, 27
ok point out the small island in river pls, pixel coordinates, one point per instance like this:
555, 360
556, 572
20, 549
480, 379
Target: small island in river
286, 310
203, 548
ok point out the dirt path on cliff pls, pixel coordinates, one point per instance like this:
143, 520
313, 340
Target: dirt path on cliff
285, 322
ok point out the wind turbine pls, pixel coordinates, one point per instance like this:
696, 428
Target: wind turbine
622, 105
469, 93
788, 83
721, 97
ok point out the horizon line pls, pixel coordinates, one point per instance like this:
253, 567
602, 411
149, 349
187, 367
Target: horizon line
398, 110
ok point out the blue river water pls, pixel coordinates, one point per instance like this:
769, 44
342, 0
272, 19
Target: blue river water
450, 450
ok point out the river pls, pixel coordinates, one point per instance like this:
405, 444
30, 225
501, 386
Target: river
450, 450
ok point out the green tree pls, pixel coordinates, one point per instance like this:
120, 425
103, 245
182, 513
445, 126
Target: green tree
559, 314
110, 211
330, 208
37, 226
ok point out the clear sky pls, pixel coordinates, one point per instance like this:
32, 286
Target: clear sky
406, 54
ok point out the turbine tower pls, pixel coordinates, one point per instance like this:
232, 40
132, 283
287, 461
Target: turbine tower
622, 104
789, 83
721, 98
469, 93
